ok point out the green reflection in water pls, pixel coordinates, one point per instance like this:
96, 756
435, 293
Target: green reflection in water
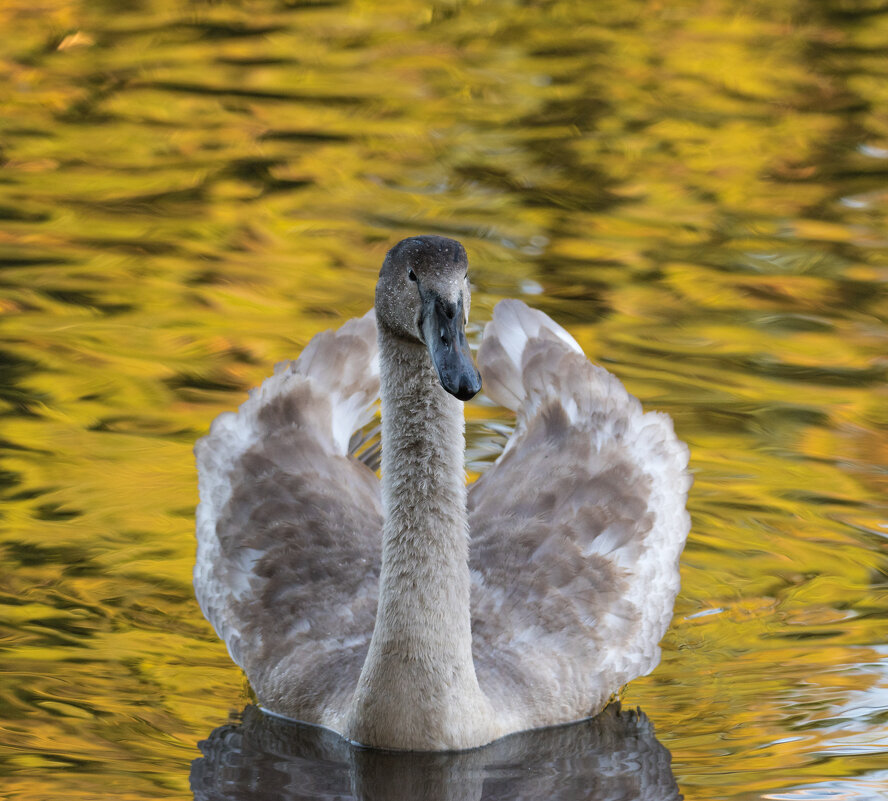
697, 190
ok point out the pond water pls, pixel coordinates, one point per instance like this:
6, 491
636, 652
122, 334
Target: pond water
696, 189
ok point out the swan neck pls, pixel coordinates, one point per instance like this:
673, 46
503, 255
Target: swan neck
423, 472
425, 535
418, 686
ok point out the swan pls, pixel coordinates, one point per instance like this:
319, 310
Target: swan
411, 613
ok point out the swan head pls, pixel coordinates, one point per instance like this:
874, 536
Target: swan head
423, 296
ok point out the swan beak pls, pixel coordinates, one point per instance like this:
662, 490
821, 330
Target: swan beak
444, 331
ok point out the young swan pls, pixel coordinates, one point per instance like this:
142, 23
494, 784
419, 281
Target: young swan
360, 605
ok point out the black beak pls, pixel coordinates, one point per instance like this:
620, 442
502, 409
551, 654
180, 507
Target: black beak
443, 329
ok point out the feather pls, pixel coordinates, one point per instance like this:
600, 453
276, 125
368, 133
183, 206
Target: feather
289, 525
576, 529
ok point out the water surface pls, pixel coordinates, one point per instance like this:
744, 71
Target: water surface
697, 190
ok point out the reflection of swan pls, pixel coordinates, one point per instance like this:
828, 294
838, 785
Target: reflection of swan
613, 757
576, 530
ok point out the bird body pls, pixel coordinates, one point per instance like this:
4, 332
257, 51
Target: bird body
413, 613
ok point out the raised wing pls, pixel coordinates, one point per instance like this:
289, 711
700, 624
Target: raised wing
289, 527
576, 530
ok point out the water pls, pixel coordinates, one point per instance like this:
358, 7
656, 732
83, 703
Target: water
615, 757
697, 190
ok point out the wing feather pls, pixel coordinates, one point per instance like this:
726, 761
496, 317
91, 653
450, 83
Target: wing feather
576, 530
289, 526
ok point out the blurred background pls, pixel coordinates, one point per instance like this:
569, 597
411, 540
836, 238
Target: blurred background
696, 189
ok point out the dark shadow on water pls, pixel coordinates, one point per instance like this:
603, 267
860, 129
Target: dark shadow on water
614, 757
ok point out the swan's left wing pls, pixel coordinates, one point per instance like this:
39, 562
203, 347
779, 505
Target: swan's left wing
576, 530
289, 527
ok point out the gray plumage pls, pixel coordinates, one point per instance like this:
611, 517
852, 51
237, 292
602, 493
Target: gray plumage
396, 629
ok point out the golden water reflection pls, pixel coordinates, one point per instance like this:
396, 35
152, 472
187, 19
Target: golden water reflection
190, 190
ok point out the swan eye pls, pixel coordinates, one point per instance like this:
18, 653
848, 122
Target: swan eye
411, 275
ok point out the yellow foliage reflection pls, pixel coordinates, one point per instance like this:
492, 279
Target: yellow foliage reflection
189, 191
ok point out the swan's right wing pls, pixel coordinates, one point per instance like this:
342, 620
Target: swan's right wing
289, 527
576, 530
